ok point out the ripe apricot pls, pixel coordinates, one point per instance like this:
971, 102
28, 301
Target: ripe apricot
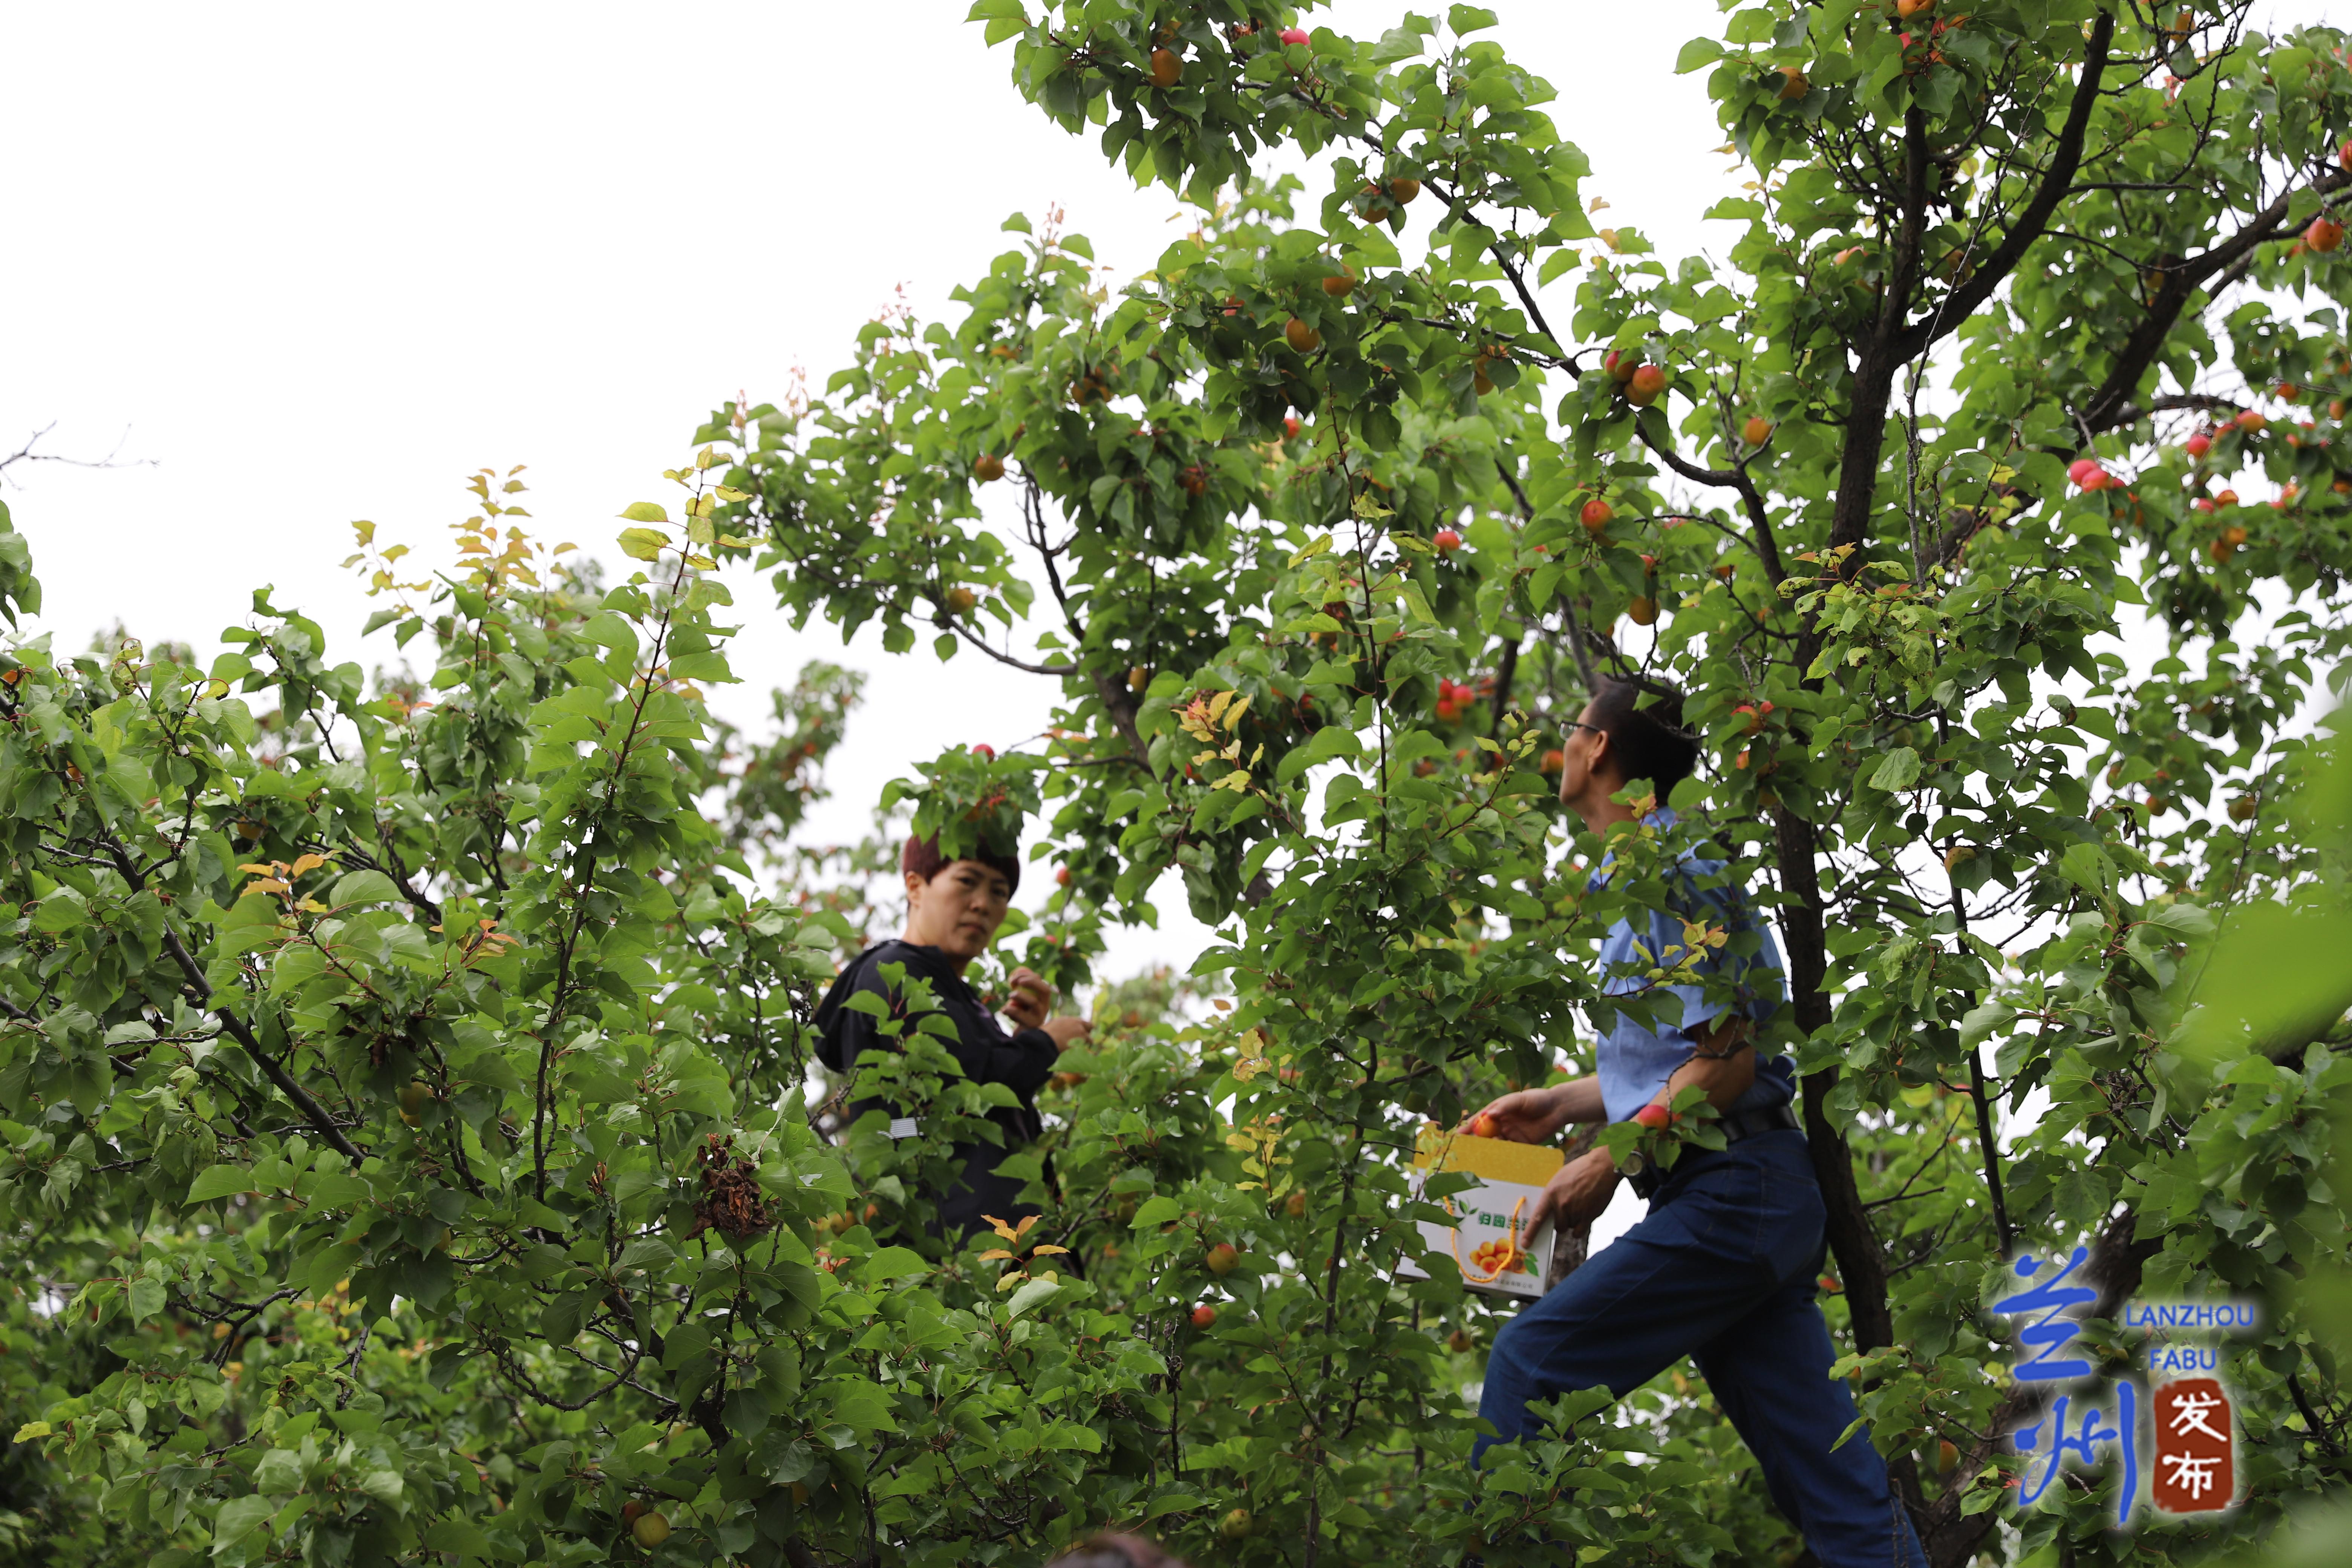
1793, 85
1643, 388
1405, 189
1301, 336
1757, 431
1596, 514
1167, 68
987, 467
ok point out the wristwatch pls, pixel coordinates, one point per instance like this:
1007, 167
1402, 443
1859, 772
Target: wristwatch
1633, 1164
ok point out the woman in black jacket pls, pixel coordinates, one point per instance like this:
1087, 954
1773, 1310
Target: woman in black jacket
953, 909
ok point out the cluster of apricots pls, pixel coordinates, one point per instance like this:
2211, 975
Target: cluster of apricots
1456, 699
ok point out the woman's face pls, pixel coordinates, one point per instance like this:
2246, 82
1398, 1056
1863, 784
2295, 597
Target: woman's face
958, 909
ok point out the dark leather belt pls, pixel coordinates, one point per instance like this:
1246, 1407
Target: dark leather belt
1736, 1125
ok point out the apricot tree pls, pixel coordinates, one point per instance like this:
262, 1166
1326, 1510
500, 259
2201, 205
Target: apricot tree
412, 1144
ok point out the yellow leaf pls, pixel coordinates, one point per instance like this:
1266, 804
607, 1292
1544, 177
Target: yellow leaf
306, 863
1042, 1247
32, 1430
645, 512
1234, 714
643, 543
1217, 706
993, 1254
1011, 1277
1003, 1230
1023, 1230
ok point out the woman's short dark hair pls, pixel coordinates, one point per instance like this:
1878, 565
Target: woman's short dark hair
921, 857
1645, 726
1116, 1552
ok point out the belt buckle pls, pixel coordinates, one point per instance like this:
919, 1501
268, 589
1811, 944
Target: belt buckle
1642, 1174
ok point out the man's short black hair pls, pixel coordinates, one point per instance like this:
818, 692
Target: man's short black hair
1644, 725
922, 857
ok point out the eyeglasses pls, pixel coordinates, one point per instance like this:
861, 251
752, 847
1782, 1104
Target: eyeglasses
1580, 724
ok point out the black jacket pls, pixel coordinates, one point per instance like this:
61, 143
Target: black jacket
1022, 1062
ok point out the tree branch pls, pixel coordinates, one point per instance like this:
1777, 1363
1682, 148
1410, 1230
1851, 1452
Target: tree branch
2057, 181
2110, 407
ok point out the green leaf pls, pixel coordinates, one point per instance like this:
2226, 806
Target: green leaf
458, 1536
892, 1263
1155, 1212
363, 887
1031, 1293
219, 1182
643, 543
1696, 53
1898, 770
2276, 976
644, 511
238, 1518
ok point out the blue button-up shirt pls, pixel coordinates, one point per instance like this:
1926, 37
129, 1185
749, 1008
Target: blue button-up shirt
1635, 1060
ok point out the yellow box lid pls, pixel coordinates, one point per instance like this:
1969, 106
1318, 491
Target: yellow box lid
1496, 1159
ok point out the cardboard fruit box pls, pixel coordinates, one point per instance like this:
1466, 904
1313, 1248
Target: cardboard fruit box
1489, 1244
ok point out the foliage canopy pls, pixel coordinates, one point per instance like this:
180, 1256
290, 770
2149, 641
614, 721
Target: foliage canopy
410, 1139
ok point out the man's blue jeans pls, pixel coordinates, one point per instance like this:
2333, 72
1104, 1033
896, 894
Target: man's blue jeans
1723, 1271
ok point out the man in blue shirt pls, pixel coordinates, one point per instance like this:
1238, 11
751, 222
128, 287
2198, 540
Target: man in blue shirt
1723, 1268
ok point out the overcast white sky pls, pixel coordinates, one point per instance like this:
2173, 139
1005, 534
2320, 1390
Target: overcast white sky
323, 263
